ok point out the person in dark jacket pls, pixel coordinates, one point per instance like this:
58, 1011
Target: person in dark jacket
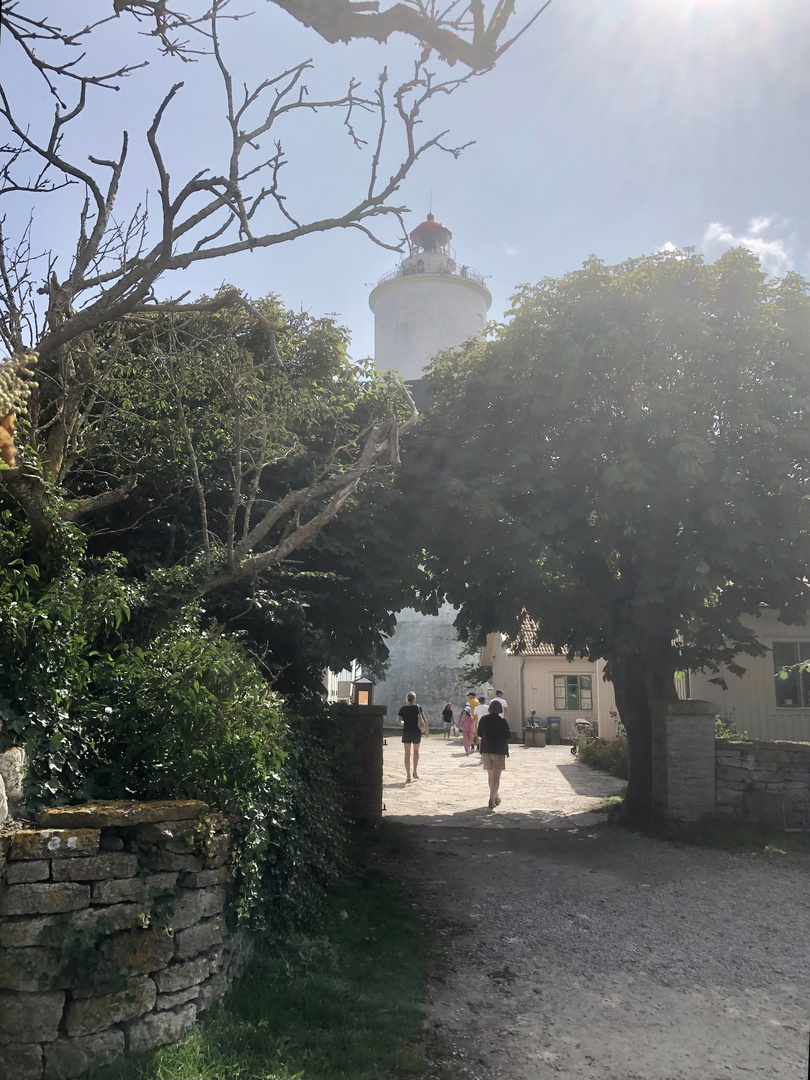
493, 732
408, 719
447, 719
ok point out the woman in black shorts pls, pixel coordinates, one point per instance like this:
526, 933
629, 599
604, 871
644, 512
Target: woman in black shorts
408, 719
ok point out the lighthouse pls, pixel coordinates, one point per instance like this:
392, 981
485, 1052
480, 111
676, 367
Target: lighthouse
428, 303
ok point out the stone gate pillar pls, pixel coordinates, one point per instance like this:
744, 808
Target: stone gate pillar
683, 764
362, 766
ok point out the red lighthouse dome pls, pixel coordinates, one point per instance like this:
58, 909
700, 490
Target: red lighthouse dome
430, 236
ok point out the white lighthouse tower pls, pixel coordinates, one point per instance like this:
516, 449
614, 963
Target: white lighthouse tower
427, 304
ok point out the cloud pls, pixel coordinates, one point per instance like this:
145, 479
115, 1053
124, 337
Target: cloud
668, 246
774, 254
511, 250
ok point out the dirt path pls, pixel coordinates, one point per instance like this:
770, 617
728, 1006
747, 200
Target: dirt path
590, 953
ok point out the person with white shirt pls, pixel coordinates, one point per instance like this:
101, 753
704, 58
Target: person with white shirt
482, 709
499, 697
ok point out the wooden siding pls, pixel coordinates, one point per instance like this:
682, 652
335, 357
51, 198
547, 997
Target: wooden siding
750, 701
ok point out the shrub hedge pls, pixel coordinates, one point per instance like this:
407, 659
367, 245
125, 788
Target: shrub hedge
610, 756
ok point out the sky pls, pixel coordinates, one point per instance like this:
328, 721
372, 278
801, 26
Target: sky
614, 127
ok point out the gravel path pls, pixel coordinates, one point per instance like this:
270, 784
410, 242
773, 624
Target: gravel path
585, 952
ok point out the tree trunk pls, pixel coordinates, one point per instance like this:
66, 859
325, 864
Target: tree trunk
637, 682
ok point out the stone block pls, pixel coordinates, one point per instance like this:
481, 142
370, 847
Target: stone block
20, 873
779, 756
218, 861
197, 904
187, 910
54, 843
171, 1001
21, 1061
3, 802
136, 890
109, 920
159, 1029
764, 770
171, 860
204, 878
729, 772
99, 815
32, 970
12, 771
66, 1058
180, 976
210, 991
97, 867
44, 899
218, 845
215, 958
30, 1018
199, 938
141, 951
18, 933
89, 1015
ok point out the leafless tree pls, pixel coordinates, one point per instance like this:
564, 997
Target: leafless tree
53, 304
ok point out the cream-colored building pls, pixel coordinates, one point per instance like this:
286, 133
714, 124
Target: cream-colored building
552, 686
758, 703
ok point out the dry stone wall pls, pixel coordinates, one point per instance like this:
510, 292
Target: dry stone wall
112, 933
764, 781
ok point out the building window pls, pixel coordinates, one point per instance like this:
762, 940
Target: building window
573, 692
794, 691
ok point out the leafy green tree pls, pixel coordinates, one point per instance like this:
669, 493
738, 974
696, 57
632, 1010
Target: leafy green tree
207, 425
627, 462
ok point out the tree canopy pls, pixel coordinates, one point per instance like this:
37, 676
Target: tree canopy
627, 462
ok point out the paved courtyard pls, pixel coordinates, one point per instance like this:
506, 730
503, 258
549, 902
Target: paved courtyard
542, 788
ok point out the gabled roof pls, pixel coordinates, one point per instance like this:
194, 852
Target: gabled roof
526, 643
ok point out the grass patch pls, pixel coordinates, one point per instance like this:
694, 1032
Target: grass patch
341, 1002
612, 804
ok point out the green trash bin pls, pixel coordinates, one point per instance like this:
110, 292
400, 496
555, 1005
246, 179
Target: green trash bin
553, 730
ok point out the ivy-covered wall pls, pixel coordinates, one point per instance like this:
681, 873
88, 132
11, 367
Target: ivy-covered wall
112, 932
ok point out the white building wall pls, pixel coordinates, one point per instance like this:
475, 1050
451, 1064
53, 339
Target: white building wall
417, 316
535, 674
749, 701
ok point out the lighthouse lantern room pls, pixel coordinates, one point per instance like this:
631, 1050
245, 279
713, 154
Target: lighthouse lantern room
428, 303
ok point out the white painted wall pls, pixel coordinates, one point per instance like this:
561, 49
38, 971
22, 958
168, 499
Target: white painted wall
418, 315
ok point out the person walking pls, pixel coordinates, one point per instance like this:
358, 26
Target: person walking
499, 697
493, 730
408, 719
479, 712
465, 722
447, 719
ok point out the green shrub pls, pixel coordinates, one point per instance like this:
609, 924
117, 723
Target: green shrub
610, 756
725, 728
185, 714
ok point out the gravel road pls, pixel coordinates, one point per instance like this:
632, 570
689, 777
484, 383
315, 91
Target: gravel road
584, 952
